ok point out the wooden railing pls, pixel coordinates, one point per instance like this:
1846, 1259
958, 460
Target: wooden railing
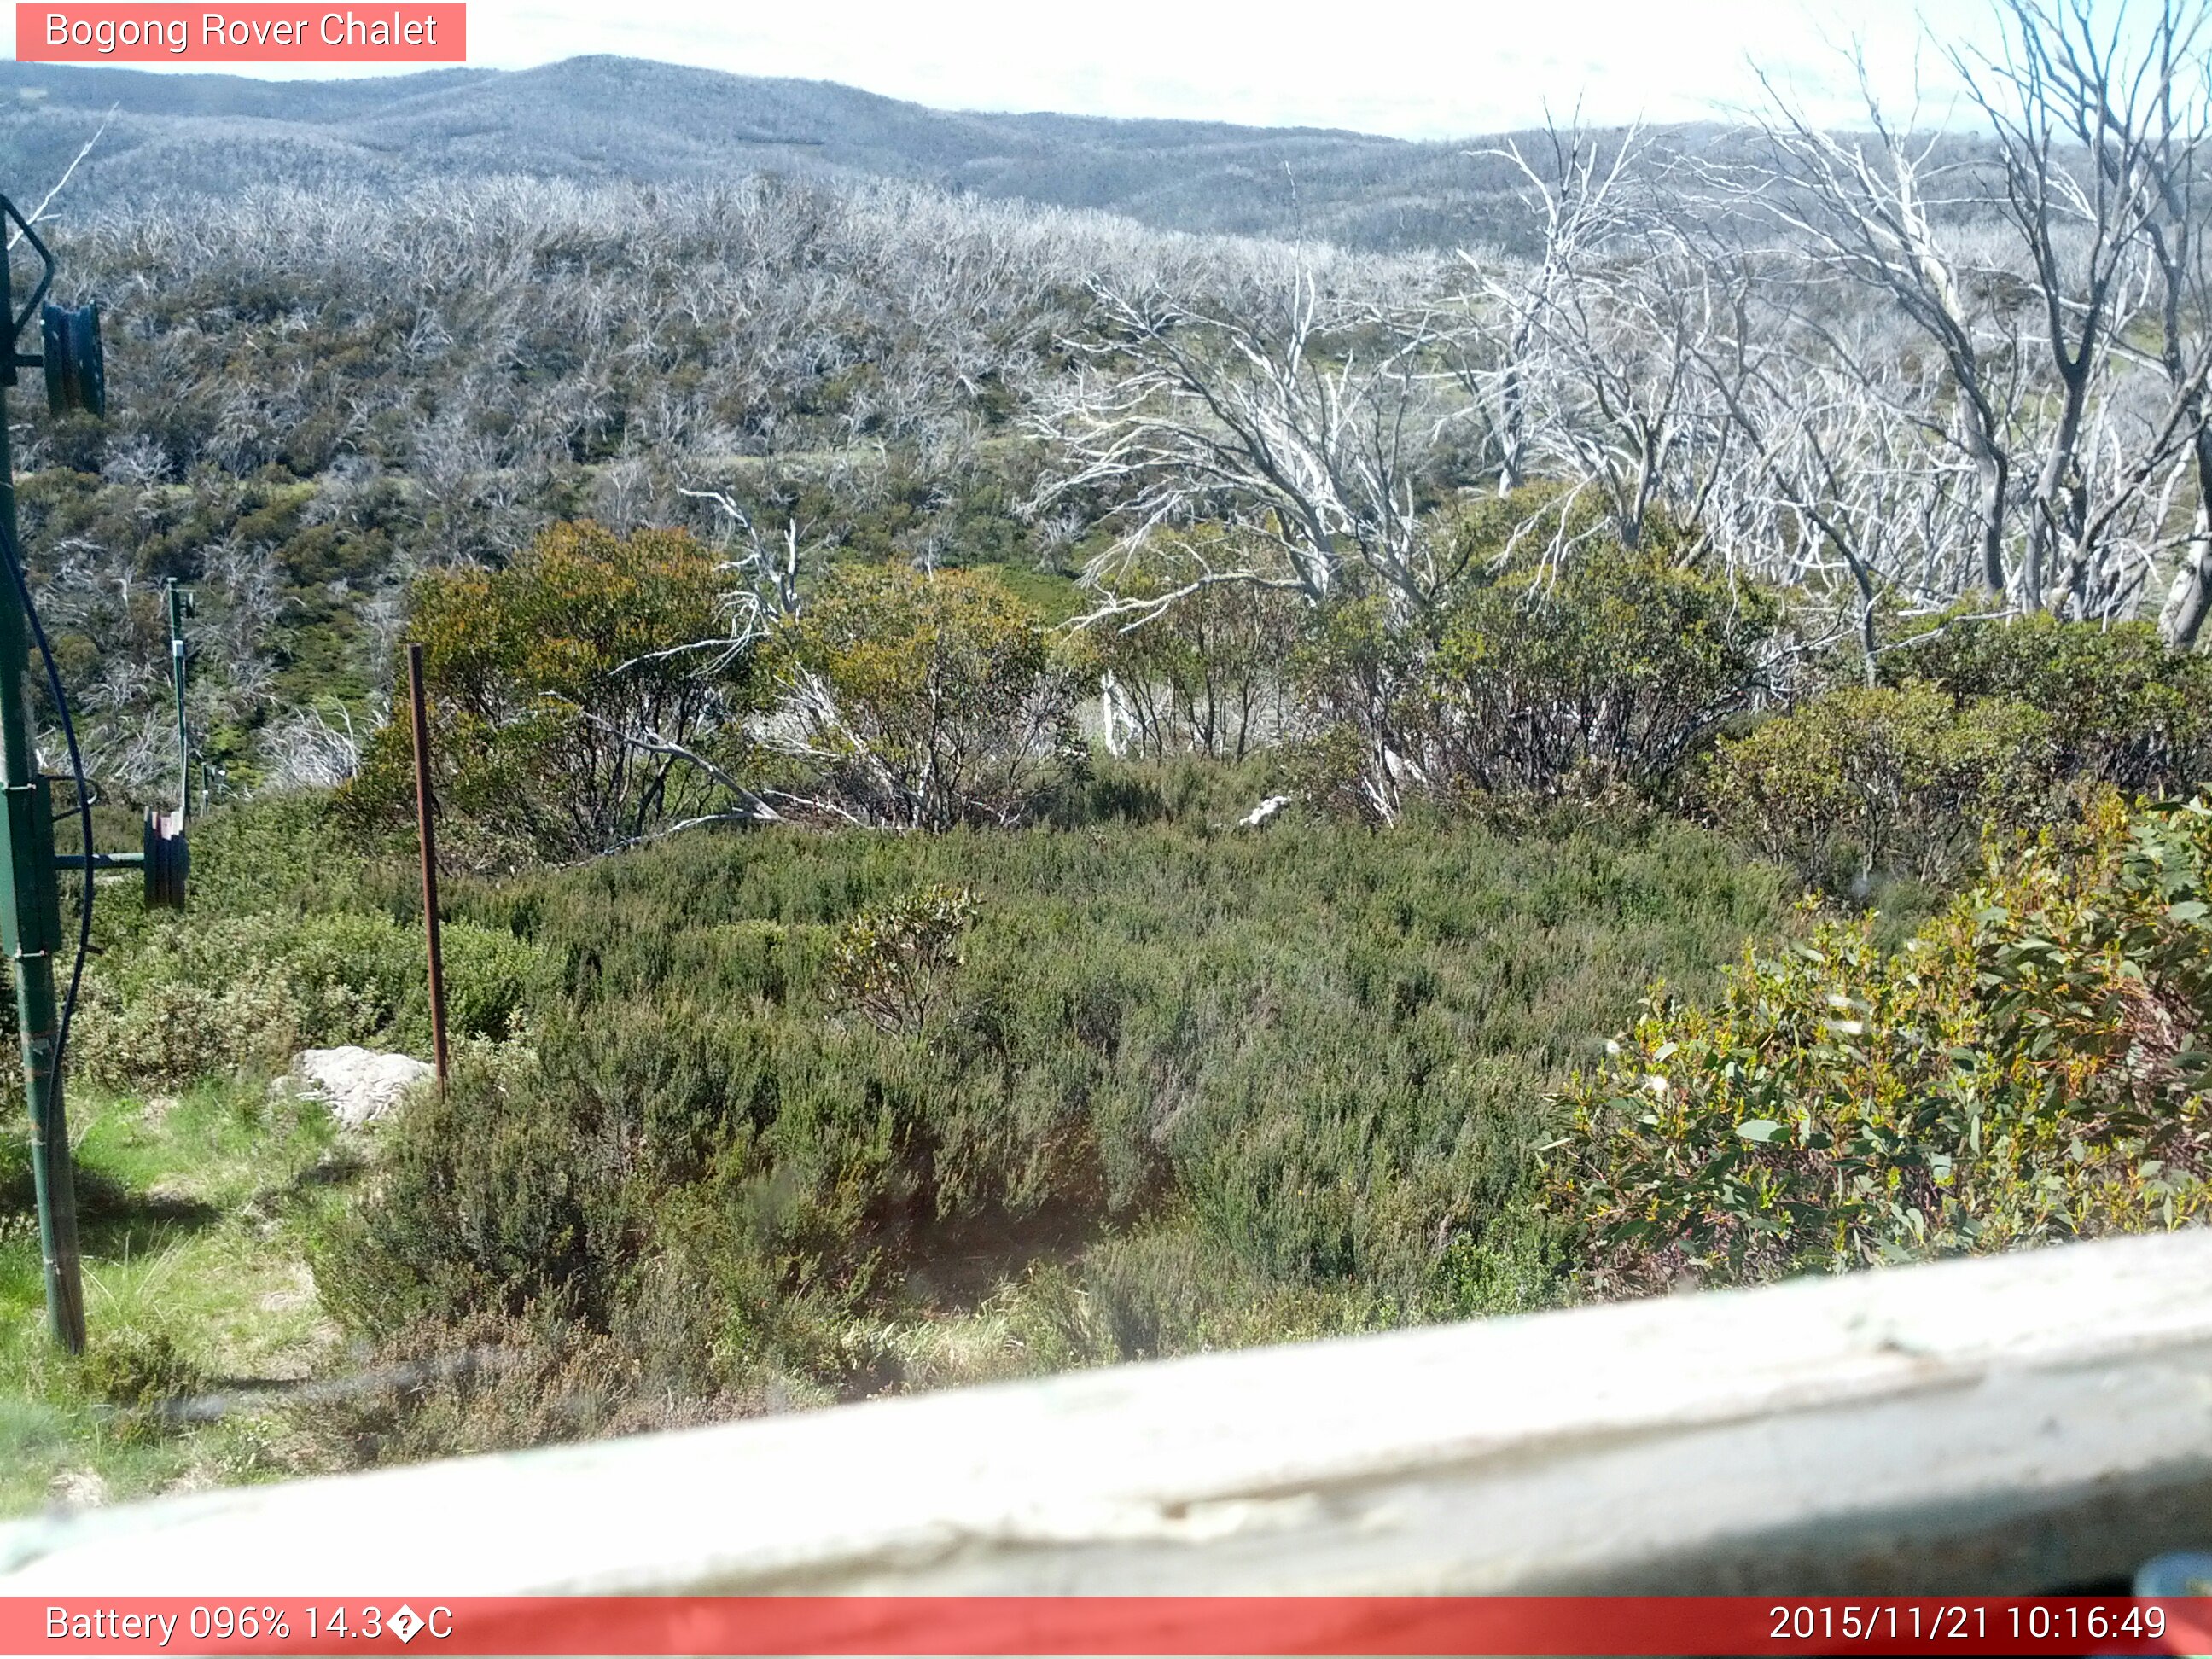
2033, 1422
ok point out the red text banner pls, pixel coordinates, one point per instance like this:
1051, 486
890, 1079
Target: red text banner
259, 33
1136, 1625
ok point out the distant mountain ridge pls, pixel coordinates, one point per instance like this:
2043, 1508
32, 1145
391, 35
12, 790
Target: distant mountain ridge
620, 117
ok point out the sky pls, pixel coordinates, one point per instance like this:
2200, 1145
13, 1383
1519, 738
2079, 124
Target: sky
1411, 69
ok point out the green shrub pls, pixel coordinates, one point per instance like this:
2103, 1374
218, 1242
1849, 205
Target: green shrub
1207, 673
889, 961
486, 1204
2124, 709
133, 1369
2034, 1064
490, 976
1893, 780
565, 691
1604, 675
920, 701
1612, 671
282, 852
198, 996
1366, 711
1185, 790
206, 995
140, 1374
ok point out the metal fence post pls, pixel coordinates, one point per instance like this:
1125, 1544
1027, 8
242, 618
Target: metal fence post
428, 837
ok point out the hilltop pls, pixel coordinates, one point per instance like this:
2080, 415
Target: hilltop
617, 119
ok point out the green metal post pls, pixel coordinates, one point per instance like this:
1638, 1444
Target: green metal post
30, 931
177, 605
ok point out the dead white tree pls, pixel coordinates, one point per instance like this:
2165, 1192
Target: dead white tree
1872, 206
764, 570
40, 213
2098, 120
305, 749
2059, 269
1301, 417
1843, 482
1578, 200
1638, 409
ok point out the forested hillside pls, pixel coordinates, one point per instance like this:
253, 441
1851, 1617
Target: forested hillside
602, 120
317, 395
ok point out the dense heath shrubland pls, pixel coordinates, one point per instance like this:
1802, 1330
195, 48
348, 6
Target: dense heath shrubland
1195, 1087
772, 1110
2031, 1064
760, 1116
860, 624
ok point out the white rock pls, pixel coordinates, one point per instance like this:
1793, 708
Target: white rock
78, 1489
360, 1085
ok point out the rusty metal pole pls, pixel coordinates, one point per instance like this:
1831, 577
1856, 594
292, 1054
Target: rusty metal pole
428, 839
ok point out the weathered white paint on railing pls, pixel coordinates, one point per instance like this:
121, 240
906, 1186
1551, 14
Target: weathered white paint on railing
2020, 1423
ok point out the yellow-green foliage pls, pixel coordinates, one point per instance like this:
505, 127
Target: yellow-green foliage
1978, 728
1617, 667
891, 959
543, 675
1617, 664
1898, 779
2033, 1065
1604, 674
930, 698
139, 1373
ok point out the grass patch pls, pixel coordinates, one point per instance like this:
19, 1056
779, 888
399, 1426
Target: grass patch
193, 1214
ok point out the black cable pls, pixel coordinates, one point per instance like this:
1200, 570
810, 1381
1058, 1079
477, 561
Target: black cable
11, 552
